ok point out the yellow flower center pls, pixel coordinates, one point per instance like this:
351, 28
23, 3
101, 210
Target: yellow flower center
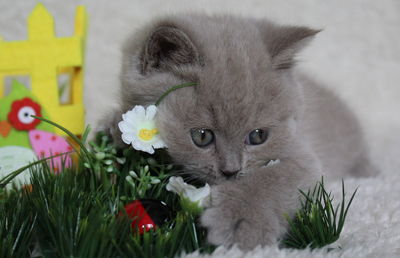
146, 134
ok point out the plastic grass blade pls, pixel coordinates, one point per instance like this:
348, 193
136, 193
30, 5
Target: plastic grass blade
317, 223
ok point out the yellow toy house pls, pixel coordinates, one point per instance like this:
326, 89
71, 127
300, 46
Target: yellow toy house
44, 57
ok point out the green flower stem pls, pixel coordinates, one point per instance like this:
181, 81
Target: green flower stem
189, 84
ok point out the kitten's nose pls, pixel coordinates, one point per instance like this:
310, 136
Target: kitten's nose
228, 173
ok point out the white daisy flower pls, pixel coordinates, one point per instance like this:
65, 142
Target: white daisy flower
138, 128
178, 186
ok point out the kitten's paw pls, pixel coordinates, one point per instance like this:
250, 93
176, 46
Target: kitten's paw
231, 220
219, 218
219, 228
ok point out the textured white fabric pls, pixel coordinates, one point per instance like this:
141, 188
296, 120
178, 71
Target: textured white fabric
357, 54
371, 230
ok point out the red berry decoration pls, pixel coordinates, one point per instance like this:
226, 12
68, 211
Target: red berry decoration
21, 112
147, 214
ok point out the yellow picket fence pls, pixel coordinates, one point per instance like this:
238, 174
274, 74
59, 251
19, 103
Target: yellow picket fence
44, 57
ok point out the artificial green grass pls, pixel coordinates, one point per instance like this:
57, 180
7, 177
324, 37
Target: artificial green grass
318, 222
75, 213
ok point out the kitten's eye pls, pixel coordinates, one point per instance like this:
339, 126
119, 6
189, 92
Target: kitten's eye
202, 137
256, 137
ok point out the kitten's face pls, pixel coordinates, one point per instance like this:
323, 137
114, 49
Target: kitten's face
223, 127
242, 112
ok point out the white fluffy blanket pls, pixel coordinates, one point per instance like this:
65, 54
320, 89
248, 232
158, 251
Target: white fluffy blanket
371, 230
357, 54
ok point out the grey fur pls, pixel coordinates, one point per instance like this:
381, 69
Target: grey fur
247, 80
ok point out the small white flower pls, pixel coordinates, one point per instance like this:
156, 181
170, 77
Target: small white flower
178, 186
138, 128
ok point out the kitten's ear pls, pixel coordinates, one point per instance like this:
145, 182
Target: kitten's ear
168, 47
284, 42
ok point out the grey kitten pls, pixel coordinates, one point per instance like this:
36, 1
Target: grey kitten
252, 128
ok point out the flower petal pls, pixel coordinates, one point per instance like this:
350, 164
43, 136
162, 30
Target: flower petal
200, 195
139, 112
151, 112
197, 194
158, 144
176, 184
124, 127
149, 149
127, 138
132, 119
142, 146
137, 144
